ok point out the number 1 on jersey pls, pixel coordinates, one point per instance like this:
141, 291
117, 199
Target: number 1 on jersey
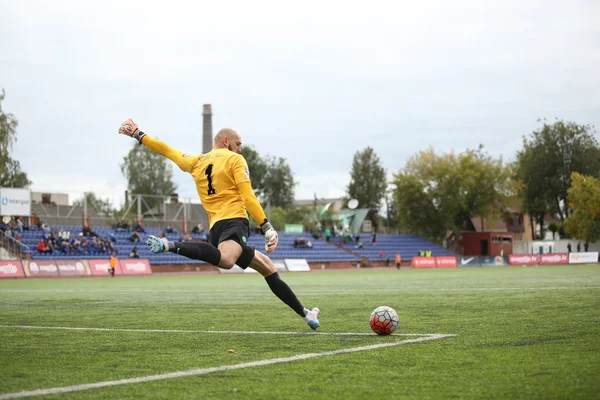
211, 189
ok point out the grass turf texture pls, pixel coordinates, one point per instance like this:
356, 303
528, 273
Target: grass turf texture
522, 333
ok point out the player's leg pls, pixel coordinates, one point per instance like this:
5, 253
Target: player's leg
211, 252
263, 265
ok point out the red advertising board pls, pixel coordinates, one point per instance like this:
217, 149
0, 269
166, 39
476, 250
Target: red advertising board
135, 266
423, 262
100, 267
35, 268
72, 268
555, 258
446, 262
523, 259
11, 269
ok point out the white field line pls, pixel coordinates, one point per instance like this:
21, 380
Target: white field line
204, 371
68, 328
203, 292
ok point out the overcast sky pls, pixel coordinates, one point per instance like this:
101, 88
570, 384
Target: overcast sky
312, 82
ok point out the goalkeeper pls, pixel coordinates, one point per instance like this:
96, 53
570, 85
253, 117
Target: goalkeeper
223, 184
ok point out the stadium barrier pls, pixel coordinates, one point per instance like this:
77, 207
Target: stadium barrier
100, 268
434, 262
482, 261
583, 258
135, 266
11, 269
556, 258
288, 264
70, 268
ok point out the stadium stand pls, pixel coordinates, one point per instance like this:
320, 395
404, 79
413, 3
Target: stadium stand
320, 252
387, 245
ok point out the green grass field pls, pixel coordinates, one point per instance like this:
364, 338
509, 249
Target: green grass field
521, 333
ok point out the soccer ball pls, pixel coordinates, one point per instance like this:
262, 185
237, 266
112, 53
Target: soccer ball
384, 320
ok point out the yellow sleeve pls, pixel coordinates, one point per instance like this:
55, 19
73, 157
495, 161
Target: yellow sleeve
251, 202
184, 161
240, 170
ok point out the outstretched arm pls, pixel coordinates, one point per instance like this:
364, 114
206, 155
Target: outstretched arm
255, 209
184, 161
242, 180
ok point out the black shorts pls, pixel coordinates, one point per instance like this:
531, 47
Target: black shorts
236, 229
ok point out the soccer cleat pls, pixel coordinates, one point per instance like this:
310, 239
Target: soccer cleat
157, 245
313, 318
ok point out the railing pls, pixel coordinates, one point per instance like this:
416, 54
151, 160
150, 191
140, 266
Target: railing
14, 246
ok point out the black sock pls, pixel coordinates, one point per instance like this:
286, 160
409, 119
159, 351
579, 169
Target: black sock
197, 251
285, 294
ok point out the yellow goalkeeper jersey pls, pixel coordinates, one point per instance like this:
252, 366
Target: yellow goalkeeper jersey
222, 181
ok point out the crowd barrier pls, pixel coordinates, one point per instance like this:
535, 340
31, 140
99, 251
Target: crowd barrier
70, 268
513, 259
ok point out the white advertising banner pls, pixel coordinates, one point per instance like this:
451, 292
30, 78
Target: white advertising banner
15, 202
583, 258
297, 264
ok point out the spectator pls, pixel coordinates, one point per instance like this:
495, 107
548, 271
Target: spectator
578, 247
302, 243
42, 248
198, 229
112, 264
45, 227
327, 234
398, 260
20, 224
135, 237
161, 234
586, 246
374, 238
360, 244
139, 228
111, 236
569, 247
134, 253
169, 229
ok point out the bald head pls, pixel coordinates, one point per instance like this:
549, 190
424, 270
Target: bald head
228, 138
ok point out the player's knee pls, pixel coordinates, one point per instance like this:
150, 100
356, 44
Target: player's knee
246, 257
227, 262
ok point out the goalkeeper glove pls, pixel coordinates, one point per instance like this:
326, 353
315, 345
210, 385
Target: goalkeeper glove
131, 129
271, 237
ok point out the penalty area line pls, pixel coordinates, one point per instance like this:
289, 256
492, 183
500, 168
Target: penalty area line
204, 371
69, 328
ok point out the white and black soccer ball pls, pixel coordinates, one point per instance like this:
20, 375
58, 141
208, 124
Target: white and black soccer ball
384, 320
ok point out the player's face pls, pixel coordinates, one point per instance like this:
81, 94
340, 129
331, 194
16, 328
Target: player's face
235, 143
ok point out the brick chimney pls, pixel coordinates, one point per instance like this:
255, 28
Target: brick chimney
207, 131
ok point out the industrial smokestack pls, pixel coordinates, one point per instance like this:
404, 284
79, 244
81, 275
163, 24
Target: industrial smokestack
207, 131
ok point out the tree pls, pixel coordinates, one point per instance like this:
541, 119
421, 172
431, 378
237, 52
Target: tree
279, 183
584, 201
367, 182
258, 169
391, 206
148, 173
272, 178
102, 206
437, 196
10, 170
545, 164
